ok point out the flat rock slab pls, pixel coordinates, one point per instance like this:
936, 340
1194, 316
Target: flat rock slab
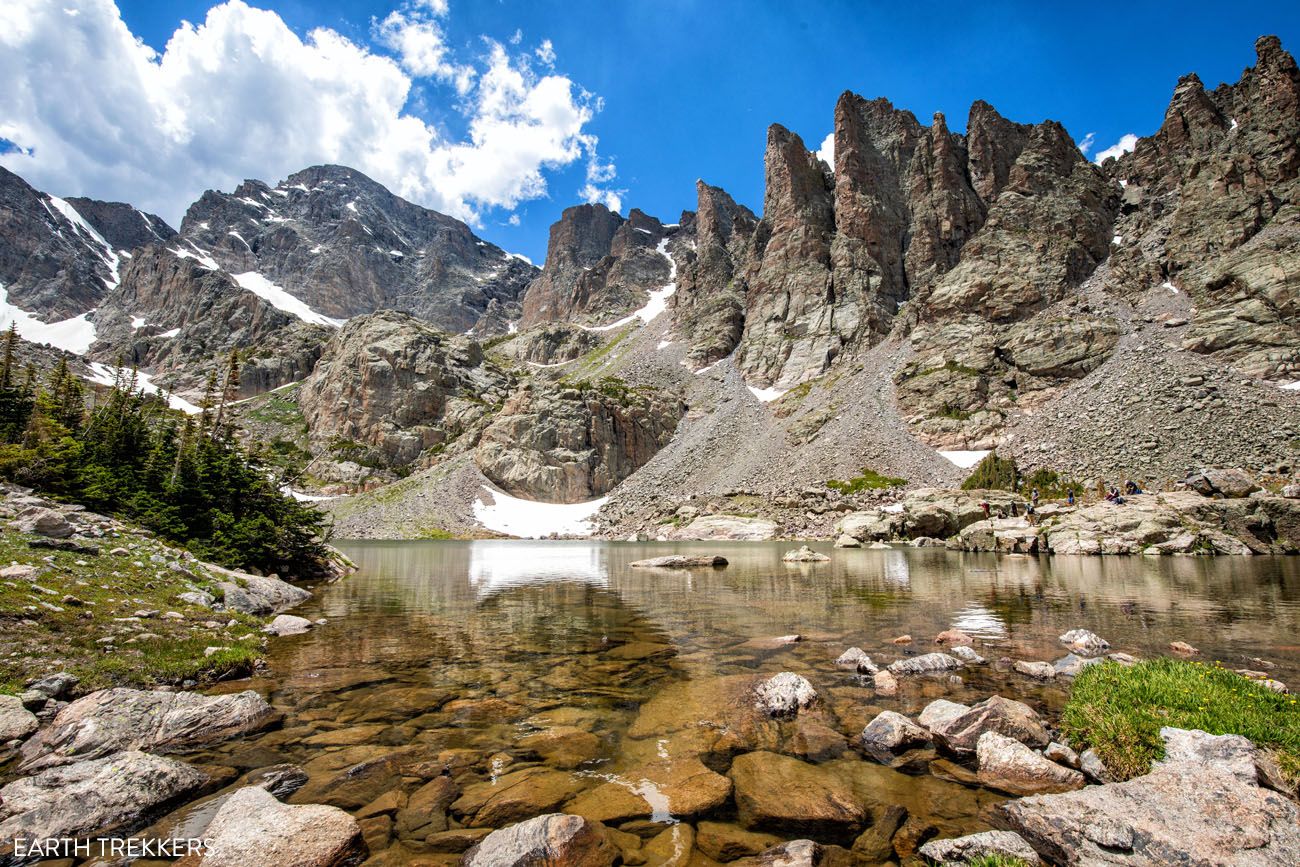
680, 561
252, 827
779, 793
1181, 814
129, 719
926, 663
117, 794
958, 851
676, 789
16, 721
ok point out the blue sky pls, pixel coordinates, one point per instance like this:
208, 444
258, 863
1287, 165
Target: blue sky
688, 88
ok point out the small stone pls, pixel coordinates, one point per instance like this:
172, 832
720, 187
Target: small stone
954, 637
1182, 648
287, 624
890, 734
957, 851
1039, 670
856, 659
804, 555
1094, 768
926, 663
902, 639
784, 694
1010, 766
967, 654
1062, 755
1083, 642
885, 683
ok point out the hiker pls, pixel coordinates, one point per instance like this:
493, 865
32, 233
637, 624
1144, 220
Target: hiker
1069, 497
984, 505
1014, 513
1034, 497
1131, 487
1029, 512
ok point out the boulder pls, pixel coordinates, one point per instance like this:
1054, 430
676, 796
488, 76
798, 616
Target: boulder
804, 554
1227, 483
856, 659
939, 711
288, 624
846, 541
252, 827
725, 528
1085, 643
1035, 669
1009, 766
891, 734
958, 851
1070, 665
680, 561
111, 720
256, 594
16, 721
954, 638
43, 522
926, 663
863, 527
783, 794
106, 796
1184, 813
967, 654
554, 839
884, 683
1232, 754
784, 694
959, 732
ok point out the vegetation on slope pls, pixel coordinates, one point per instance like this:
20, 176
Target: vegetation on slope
129, 455
868, 480
1119, 710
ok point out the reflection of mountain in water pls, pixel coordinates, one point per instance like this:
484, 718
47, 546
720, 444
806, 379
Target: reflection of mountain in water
494, 565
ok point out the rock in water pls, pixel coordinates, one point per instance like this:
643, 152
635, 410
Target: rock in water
1181, 814
1085, 643
1036, 669
957, 851
256, 594
680, 561
890, 734
545, 841
128, 719
856, 659
16, 721
954, 638
108, 796
960, 731
784, 694
252, 827
885, 683
926, 663
782, 793
1010, 766
288, 624
967, 655
804, 555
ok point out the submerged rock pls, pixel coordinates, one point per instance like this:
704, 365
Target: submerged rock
1085, 643
104, 796
1010, 766
252, 827
680, 561
128, 719
553, 839
958, 851
967, 655
804, 555
785, 694
1036, 669
885, 683
679, 789
784, 794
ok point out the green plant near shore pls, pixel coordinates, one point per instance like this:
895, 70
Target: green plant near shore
868, 480
1002, 474
1118, 711
996, 861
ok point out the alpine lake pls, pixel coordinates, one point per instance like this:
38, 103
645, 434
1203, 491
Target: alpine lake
536, 677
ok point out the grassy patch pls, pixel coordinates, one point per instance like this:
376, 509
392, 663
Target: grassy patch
1118, 711
55, 621
869, 480
996, 861
279, 409
436, 534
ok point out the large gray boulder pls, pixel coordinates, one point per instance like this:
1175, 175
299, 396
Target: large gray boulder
43, 522
1009, 766
16, 721
725, 528
256, 594
891, 733
252, 827
1186, 813
112, 720
926, 663
553, 839
113, 795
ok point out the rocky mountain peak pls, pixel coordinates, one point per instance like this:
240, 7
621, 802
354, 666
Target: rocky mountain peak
579, 240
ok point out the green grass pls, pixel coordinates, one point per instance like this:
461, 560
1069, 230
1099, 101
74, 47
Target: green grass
279, 409
1118, 711
436, 534
996, 861
869, 480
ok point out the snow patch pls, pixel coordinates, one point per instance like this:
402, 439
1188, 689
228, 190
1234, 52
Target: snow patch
202, 258
1234, 125
532, 520
658, 301
766, 395
520, 256
352, 206
104, 374
280, 299
73, 335
1117, 240
170, 332
138, 322
1292, 386
965, 458
706, 368
102, 248
664, 344
304, 498
1173, 290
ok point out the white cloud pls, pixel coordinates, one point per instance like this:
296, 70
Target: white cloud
513, 220
1126, 143
241, 95
517, 36
1088, 141
546, 52
826, 152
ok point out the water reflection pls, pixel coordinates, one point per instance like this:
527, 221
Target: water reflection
494, 565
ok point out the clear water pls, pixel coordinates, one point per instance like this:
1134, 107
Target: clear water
455, 656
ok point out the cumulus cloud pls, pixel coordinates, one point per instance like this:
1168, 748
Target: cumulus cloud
1088, 141
91, 110
1126, 143
546, 52
826, 152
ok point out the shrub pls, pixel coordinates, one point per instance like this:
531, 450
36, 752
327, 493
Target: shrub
869, 480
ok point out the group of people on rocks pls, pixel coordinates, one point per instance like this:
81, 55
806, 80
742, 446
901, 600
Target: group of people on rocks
1113, 495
